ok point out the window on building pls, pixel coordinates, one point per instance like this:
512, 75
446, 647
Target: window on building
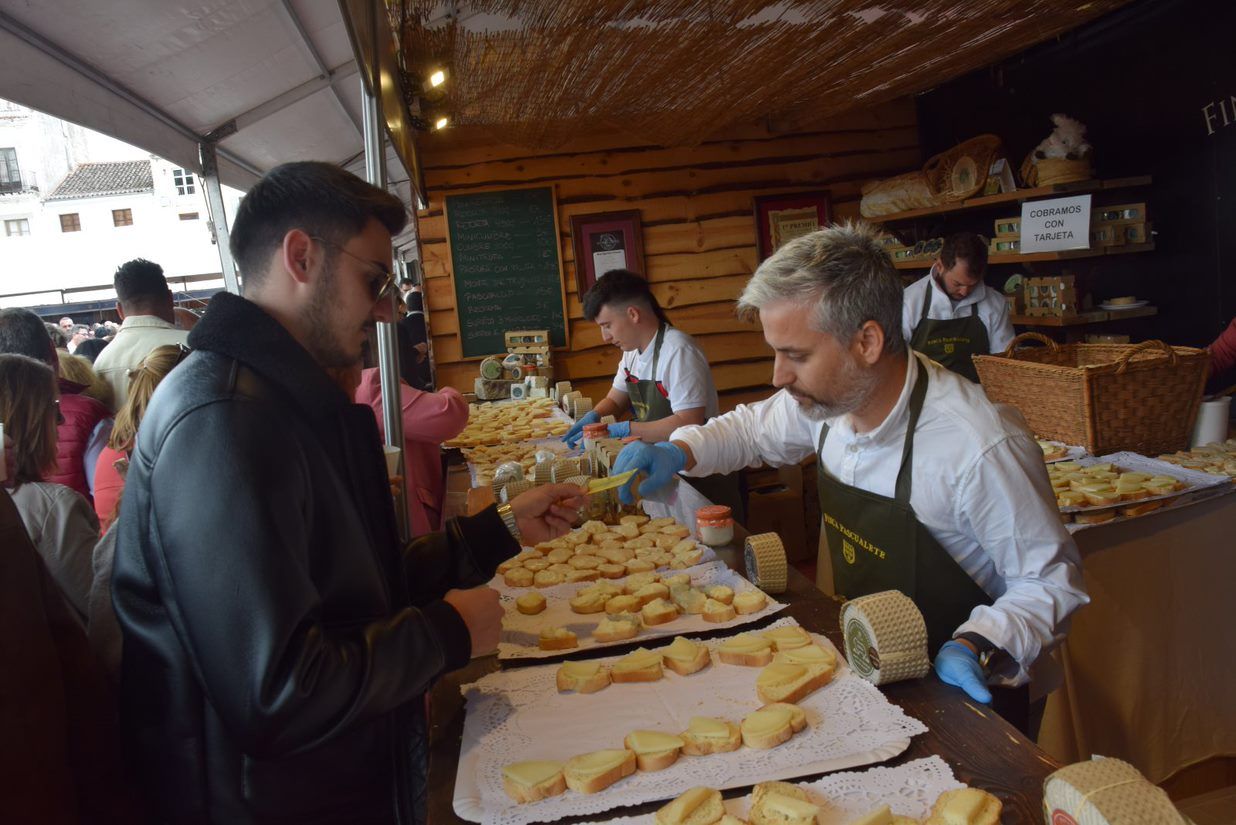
16, 227
122, 217
72, 222
10, 172
183, 179
188, 216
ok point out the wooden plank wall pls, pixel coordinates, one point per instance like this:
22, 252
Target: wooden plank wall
699, 233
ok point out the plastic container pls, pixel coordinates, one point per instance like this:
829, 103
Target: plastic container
715, 525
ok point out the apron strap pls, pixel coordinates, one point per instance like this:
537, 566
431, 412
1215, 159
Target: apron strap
905, 472
656, 352
927, 297
974, 310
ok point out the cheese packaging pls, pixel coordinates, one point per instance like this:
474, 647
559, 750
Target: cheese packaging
1105, 792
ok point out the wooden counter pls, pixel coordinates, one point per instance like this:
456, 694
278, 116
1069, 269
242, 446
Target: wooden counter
982, 749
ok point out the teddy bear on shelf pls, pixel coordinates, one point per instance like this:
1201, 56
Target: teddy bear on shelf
1067, 140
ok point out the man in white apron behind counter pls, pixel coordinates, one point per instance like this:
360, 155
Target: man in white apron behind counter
951, 314
663, 377
925, 486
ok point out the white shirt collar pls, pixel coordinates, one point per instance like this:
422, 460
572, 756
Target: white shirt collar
132, 321
936, 289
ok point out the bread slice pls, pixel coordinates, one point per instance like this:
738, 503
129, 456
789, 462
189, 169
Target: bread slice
809, 655
1141, 509
715, 611
750, 601
617, 627
640, 566
640, 665
690, 600
790, 682
588, 602
746, 649
676, 530
638, 581
798, 716
685, 657
654, 750
695, 806
681, 561
658, 611
705, 735
547, 578
559, 555
780, 803
557, 638
767, 727
585, 562
531, 781
537, 565
1096, 517
730, 819
787, 638
721, 592
596, 771
965, 806
530, 604
572, 576
636, 520
612, 571
882, 815
517, 577
582, 677
623, 604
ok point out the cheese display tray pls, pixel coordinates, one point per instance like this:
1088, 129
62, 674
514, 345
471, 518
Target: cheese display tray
520, 633
909, 789
482, 461
1132, 462
519, 715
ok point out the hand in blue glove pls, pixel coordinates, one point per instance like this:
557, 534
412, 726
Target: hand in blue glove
620, 429
959, 666
577, 432
659, 462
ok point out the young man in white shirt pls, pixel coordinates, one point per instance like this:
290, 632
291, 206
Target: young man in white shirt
145, 305
951, 314
663, 378
925, 485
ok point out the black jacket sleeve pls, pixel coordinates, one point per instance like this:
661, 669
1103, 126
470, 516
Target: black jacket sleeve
465, 554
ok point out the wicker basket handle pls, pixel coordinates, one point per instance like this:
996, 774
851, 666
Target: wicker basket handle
1030, 336
1142, 347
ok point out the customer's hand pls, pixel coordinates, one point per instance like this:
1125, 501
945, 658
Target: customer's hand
959, 666
660, 462
548, 511
576, 432
482, 613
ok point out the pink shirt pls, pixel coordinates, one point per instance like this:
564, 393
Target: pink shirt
429, 418
1223, 350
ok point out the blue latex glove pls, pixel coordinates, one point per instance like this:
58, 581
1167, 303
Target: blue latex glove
659, 462
620, 429
577, 432
958, 665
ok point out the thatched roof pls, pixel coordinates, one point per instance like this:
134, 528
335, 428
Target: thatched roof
673, 72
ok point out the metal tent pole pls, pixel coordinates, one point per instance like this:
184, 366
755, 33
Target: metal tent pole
218, 216
388, 350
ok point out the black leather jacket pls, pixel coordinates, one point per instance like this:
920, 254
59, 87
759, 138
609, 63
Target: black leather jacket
277, 641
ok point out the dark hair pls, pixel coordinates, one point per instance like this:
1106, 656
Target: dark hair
318, 198
90, 348
22, 333
968, 247
620, 288
140, 281
58, 338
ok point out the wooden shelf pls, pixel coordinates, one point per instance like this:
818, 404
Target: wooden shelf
1068, 255
988, 201
1096, 317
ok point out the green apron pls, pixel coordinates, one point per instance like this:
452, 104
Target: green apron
877, 543
951, 342
650, 402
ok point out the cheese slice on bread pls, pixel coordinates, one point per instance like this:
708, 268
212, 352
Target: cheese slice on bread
531, 781
790, 681
640, 665
695, 806
746, 649
654, 750
582, 677
596, 771
685, 657
705, 735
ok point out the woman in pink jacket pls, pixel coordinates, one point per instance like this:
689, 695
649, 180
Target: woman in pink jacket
429, 418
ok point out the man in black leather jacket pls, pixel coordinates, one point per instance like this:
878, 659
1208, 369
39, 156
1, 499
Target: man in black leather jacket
277, 638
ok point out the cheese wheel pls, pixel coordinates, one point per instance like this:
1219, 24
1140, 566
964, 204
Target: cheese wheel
766, 564
885, 637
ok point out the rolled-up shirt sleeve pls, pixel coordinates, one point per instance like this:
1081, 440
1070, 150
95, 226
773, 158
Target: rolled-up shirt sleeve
772, 432
1032, 552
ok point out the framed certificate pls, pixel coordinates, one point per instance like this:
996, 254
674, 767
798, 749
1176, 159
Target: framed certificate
781, 218
604, 241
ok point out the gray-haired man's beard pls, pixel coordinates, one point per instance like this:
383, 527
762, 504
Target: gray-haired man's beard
854, 387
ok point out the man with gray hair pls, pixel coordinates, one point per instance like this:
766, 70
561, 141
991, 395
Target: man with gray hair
925, 486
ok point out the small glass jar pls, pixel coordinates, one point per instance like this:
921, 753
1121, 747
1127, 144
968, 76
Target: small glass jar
715, 525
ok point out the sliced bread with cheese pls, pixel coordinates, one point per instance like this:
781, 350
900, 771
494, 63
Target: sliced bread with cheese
746, 649
658, 611
654, 750
532, 781
883, 815
684, 656
767, 727
588, 602
965, 806
582, 677
750, 601
557, 638
694, 806
596, 771
640, 665
705, 735
780, 803
690, 600
787, 638
715, 611
791, 682
617, 627
530, 603
721, 592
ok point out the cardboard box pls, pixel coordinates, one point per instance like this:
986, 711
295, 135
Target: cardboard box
1052, 297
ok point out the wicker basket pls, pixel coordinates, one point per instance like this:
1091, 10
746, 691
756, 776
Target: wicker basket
961, 172
1050, 171
1105, 397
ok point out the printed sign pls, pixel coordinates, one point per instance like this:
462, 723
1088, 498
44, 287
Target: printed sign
1056, 224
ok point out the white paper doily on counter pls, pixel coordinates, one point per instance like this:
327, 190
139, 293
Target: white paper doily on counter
910, 790
519, 715
520, 633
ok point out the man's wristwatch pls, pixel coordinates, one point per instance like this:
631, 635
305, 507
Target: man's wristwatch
508, 518
990, 657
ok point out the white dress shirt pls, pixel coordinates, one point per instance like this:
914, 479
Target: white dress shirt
138, 335
979, 487
682, 369
993, 310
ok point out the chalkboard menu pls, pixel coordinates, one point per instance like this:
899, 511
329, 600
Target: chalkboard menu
508, 273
